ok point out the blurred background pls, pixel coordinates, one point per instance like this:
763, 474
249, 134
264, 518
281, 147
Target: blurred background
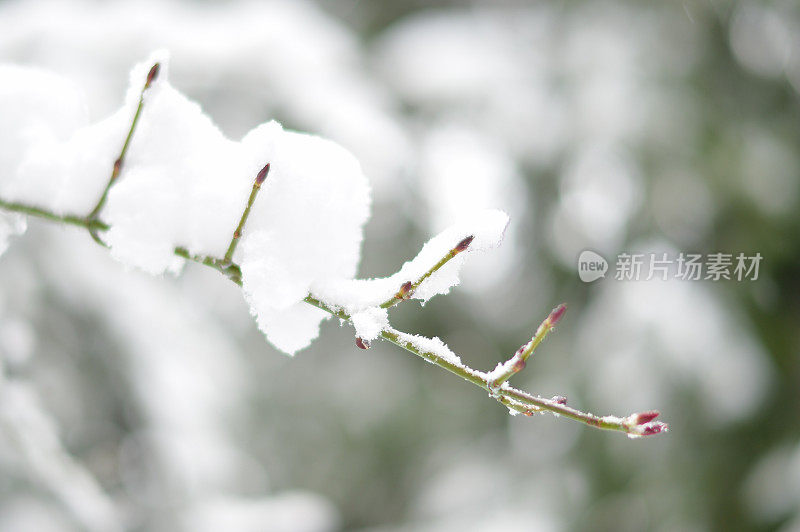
136, 403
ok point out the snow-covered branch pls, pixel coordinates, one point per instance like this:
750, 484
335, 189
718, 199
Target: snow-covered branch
183, 191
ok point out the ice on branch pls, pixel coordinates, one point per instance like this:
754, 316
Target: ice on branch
420, 278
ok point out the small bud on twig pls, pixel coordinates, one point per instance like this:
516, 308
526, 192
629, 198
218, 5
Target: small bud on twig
556, 314
645, 417
117, 168
405, 290
362, 344
464, 244
262, 174
559, 399
655, 427
152, 75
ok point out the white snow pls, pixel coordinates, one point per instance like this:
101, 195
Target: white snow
487, 227
305, 227
501, 368
185, 184
370, 322
433, 345
43, 160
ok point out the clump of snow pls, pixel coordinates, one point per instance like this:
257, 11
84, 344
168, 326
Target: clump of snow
370, 322
305, 227
487, 227
48, 158
185, 184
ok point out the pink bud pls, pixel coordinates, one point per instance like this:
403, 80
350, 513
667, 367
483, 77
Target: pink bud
645, 417
654, 427
405, 290
362, 344
152, 75
464, 244
262, 174
556, 314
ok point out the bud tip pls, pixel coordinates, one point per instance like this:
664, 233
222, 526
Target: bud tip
643, 418
405, 290
556, 314
262, 174
361, 343
152, 75
654, 427
464, 244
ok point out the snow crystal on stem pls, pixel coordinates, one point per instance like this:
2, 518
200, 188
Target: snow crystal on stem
433, 345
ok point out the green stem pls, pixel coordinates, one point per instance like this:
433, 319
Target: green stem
70, 219
237, 234
117, 168
517, 362
229, 270
512, 398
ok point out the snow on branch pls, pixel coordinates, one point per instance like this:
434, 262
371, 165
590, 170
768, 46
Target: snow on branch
279, 213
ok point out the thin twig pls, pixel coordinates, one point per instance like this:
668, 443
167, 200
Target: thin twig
635, 425
117, 168
407, 289
517, 362
237, 234
71, 219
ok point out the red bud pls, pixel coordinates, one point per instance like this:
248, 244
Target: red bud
464, 244
654, 427
645, 417
560, 399
405, 290
117, 168
556, 314
152, 75
362, 344
262, 174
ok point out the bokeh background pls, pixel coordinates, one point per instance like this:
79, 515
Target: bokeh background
137, 403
